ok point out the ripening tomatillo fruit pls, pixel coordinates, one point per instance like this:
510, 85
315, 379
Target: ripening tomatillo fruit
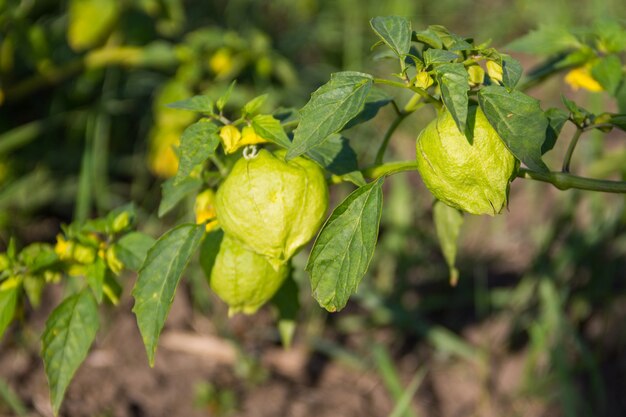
272, 206
244, 279
471, 174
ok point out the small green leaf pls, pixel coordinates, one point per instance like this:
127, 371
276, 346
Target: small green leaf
221, 102
172, 194
511, 71
200, 104
331, 107
9, 291
451, 41
287, 302
95, 277
345, 246
448, 222
429, 38
70, 330
619, 121
266, 126
556, 120
252, 107
209, 249
132, 249
158, 279
608, 72
395, 31
454, 83
336, 156
580, 116
439, 56
519, 121
198, 142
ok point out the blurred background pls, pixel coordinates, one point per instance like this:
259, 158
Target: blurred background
534, 327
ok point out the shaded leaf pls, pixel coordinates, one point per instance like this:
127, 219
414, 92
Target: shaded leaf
376, 99
208, 250
451, 41
439, 56
201, 104
556, 120
331, 107
608, 72
619, 121
395, 31
197, 143
287, 302
266, 126
95, 277
519, 121
448, 222
336, 156
511, 71
454, 83
345, 246
9, 291
172, 193
70, 330
158, 278
132, 249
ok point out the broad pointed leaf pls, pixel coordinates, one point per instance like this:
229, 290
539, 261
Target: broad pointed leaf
608, 72
198, 142
132, 249
336, 156
172, 193
556, 120
448, 222
395, 31
201, 104
345, 246
266, 126
9, 291
511, 72
70, 330
158, 278
439, 56
519, 121
454, 83
330, 108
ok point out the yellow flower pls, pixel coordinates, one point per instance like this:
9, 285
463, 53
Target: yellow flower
581, 78
64, 248
221, 63
204, 209
233, 139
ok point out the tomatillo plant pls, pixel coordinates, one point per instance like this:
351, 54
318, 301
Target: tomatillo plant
260, 181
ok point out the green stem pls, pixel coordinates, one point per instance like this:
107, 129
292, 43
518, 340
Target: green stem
392, 128
561, 180
570, 150
565, 181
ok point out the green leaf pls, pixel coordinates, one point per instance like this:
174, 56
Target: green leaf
221, 102
70, 330
395, 31
209, 249
376, 99
430, 38
158, 279
132, 249
454, 83
287, 302
546, 40
580, 116
172, 194
266, 126
9, 291
608, 72
621, 97
345, 246
332, 106
556, 120
619, 121
200, 104
439, 56
511, 71
336, 156
198, 142
448, 222
519, 121
252, 107
451, 41
95, 277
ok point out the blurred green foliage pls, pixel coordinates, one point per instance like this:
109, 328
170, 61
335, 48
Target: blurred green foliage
83, 129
